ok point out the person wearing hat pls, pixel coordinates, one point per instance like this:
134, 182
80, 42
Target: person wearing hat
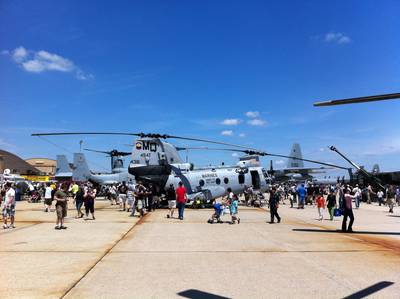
9, 205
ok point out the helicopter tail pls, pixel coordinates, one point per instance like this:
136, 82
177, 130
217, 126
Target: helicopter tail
81, 170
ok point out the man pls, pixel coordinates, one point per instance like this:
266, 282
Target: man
150, 197
74, 189
122, 190
331, 203
48, 198
273, 205
348, 211
302, 194
171, 197
357, 194
369, 193
140, 198
390, 195
9, 206
181, 198
61, 206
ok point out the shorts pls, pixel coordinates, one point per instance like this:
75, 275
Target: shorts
61, 210
171, 204
10, 211
122, 198
48, 201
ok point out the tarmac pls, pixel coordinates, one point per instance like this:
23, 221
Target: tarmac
117, 256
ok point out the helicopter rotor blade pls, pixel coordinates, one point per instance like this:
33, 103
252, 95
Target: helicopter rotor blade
113, 153
96, 151
144, 135
382, 97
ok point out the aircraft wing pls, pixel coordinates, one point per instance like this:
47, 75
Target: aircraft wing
304, 169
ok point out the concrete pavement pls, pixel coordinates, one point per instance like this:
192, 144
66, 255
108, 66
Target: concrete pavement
117, 256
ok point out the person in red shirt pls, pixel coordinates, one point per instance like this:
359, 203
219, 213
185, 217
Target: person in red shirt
181, 199
320, 205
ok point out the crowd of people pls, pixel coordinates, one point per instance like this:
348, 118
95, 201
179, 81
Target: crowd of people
139, 199
336, 199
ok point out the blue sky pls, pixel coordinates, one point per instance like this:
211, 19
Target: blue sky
185, 67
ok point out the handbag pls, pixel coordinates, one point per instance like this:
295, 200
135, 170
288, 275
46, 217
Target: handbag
337, 212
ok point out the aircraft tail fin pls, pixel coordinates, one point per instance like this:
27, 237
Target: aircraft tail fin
81, 169
63, 167
295, 152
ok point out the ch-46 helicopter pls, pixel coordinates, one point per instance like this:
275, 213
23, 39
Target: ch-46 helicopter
156, 161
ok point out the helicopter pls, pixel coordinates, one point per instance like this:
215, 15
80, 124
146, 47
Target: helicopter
156, 161
376, 177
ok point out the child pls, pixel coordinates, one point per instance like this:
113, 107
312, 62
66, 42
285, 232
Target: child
217, 212
234, 209
320, 205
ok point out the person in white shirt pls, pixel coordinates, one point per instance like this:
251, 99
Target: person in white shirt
357, 194
48, 197
380, 197
9, 206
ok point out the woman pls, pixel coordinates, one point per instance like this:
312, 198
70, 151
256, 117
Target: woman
89, 202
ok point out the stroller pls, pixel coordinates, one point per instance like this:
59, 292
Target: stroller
259, 200
218, 209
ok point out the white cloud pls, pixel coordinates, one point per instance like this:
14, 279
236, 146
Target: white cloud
252, 114
40, 61
279, 162
337, 37
235, 155
227, 133
19, 54
257, 122
231, 122
242, 135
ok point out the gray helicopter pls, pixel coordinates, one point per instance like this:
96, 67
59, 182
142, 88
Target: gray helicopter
158, 162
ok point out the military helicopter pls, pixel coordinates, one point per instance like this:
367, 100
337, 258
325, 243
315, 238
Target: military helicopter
376, 177
156, 161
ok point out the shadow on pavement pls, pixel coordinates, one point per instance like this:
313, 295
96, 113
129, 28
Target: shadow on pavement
370, 290
310, 230
197, 294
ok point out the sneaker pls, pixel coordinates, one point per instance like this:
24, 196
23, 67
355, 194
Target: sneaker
57, 227
12, 226
63, 227
5, 226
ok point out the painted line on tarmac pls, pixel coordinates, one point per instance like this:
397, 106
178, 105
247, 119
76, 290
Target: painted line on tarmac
252, 251
139, 222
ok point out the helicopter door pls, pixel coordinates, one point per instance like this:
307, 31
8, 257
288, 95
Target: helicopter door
241, 178
255, 179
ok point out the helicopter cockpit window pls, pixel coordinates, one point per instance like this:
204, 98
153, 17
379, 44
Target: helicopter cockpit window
201, 183
226, 180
